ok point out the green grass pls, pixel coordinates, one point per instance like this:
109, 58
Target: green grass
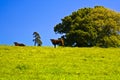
48, 63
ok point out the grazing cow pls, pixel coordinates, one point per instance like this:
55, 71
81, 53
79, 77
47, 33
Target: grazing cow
19, 44
55, 42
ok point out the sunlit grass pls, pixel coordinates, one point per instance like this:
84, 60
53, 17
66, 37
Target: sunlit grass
48, 63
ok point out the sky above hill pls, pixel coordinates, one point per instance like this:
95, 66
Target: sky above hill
20, 18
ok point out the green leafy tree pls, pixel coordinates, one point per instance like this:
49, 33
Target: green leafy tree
98, 26
37, 39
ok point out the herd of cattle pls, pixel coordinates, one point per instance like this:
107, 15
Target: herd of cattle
55, 42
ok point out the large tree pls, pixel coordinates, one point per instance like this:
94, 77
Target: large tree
98, 26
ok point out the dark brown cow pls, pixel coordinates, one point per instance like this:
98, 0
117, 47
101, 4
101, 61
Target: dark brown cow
19, 44
57, 42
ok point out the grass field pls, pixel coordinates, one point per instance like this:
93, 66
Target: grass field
48, 63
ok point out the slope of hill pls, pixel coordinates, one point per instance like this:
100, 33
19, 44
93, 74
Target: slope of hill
48, 63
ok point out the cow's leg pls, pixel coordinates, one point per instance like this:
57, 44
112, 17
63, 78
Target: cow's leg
54, 45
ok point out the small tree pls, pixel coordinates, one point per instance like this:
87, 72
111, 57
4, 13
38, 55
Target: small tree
37, 39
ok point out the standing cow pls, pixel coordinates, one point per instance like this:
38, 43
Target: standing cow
59, 41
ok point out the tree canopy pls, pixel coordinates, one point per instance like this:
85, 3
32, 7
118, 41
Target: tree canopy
98, 26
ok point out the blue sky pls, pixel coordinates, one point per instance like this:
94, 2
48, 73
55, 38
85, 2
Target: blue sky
20, 18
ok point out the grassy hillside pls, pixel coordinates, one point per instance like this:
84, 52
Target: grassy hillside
48, 63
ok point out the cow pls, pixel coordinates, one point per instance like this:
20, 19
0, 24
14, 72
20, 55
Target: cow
59, 41
19, 44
